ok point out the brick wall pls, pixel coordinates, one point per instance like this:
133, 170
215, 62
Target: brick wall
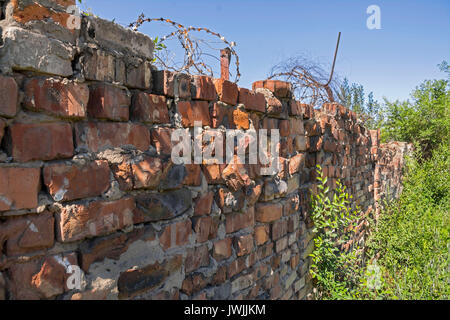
86, 178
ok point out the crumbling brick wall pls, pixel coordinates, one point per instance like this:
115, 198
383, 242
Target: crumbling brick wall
86, 178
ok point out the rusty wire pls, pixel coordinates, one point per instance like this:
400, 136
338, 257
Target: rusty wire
309, 80
194, 54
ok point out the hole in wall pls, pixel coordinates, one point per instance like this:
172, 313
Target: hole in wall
91, 32
2, 10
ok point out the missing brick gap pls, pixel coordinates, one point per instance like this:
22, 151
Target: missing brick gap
2, 10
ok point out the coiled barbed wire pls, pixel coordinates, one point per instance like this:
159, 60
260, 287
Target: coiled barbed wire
194, 57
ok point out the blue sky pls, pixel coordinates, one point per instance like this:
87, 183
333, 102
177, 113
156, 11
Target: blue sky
414, 38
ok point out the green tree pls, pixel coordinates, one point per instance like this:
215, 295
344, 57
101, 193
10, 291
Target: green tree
353, 97
424, 120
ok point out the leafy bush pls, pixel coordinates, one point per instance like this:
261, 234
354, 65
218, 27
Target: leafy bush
337, 263
425, 120
412, 236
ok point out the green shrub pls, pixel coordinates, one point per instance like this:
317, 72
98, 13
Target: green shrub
412, 236
337, 268
425, 120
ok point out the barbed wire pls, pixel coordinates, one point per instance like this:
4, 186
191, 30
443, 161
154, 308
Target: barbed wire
194, 56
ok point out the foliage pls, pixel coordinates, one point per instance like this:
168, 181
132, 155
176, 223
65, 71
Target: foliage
412, 236
353, 97
337, 264
424, 121
159, 46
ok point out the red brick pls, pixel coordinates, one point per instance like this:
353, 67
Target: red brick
301, 143
308, 111
176, 234
330, 146
268, 212
252, 100
172, 295
2, 129
292, 205
284, 128
192, 111
312, 128
61, 98
202, 227
112, 246
164, 84
279, 229
220, 276
43, 278
150, 108
2, 284
19, 188
70, 181
281, 244
270, 123
97, 136
123, 175
236, 267
27, 234
243, 245
193, 177
296, 163
138, 76
206, 228
109, 102
203, 88
97, 218
296, 126
287, 146
203, 204
24, 13
265, 251
222, 249
161, 139
295, 108
375, 136
147, 173
222, 115
9, 96
228, 91
238, 221
135, 281
255, 120
261, 234
213, 173
274, 106
152, 207
236, 176
196, 258
100, 65
253, 193
41, 141
279, 88
193, 284
241, 119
